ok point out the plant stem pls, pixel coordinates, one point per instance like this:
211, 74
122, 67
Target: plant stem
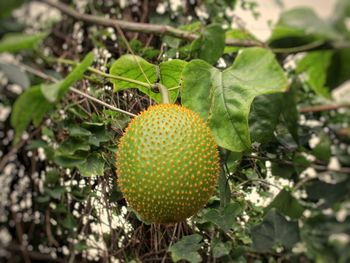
163, 92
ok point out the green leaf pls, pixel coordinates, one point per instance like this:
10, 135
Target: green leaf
263, 117
72, 145
300, 162
129, 66
55, 192
315, 66
224, 218
55, 91
186, 249
210, 44
282, 170
6, 7
52, 178
69, 161
69, 222
328, 193
94, 166
340, 15
274, 230
322, 150
77, 131
31, 105
300, 26
224, 98
80, 194
15, 75
286, 204
224, 189
170, 77
220, 248
13, 42
290, 113
99, 135
339, 69
117, 120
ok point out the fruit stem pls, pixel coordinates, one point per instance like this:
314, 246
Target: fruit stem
163, 92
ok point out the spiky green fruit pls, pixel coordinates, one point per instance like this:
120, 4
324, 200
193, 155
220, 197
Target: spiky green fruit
167, 163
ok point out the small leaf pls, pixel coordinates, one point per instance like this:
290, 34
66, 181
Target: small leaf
55, 192
322, 150
72, 145
282, 170
94, 166
315, 65
220, 248
210, 44
13, 42
286, 204
77, 131
224, 98
290, 113
55, 91
170, 76
6, 7
186, 249
69, 161
98, 136
263, 117
274, 230
129, 66
329, 193
224, 189
15, 75
224, 217
300, 162
31, 105
339, 68
69, 222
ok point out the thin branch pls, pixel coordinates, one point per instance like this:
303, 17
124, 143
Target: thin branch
326, 107
307, 47
345, 170
140, 27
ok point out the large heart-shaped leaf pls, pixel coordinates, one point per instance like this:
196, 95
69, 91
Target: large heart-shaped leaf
224, 98
136, 68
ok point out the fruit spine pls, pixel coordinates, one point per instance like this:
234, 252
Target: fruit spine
167, 163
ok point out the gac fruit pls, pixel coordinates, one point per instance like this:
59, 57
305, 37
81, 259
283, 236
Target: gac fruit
167, 163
